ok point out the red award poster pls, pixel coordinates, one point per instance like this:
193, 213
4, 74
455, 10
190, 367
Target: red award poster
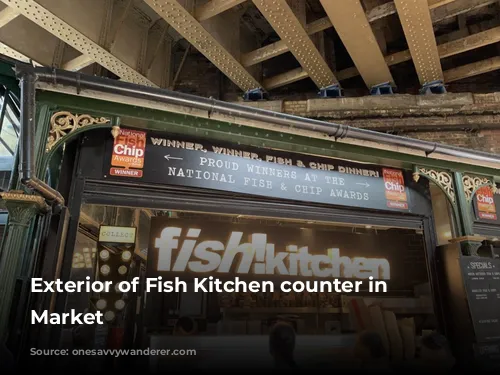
127, 159
486, 203
395, 190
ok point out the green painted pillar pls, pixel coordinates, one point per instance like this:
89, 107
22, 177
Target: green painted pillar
464, 207
22, 208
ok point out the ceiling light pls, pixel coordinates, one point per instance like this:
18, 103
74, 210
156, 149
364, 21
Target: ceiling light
109, 316
122, 270
120, 304
101, 304
105, 270
126, 256
104, 255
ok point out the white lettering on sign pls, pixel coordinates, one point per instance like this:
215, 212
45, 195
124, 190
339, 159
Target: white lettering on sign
481, 265
484, 199
394, 186
259, 257
121, 149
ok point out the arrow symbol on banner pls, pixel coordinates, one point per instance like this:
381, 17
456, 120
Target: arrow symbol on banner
363, 183
168, 157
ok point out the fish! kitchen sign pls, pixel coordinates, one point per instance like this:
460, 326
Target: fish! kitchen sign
217, 248
153, 158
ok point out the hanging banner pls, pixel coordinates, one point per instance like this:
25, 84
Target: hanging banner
395, 190
263, 172
128, 153
486, 204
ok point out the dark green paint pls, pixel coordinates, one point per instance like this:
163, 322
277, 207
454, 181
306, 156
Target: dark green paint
189, 125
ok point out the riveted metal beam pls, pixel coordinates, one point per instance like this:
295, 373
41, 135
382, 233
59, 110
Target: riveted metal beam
448, 49
437, 14
11, 52
417, 26
281, 17
185, 24
213, 8
66, 32
350, 22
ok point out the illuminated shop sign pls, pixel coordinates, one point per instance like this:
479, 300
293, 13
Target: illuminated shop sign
117, 234
250, 251
262, 172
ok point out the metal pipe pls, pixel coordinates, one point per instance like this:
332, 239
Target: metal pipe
27, 150
27, 137
107, 85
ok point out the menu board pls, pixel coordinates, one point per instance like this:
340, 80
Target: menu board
482, 284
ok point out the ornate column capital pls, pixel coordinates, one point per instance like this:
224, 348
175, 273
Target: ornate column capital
22, 207
64, 123
469, 244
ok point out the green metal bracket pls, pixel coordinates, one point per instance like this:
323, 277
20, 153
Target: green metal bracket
472, 183
442, 178
64, 126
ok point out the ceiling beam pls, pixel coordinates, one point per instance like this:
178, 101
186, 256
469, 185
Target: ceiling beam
6, 15
186, 25
440, 9
437, 15
214, 7
286, 24
280, 47
438, 3
455, 47
417, 26
16, 55
64, 20
457, 8
29, 40
471, 70
78, 63
352, 26
286, 78
448, 49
